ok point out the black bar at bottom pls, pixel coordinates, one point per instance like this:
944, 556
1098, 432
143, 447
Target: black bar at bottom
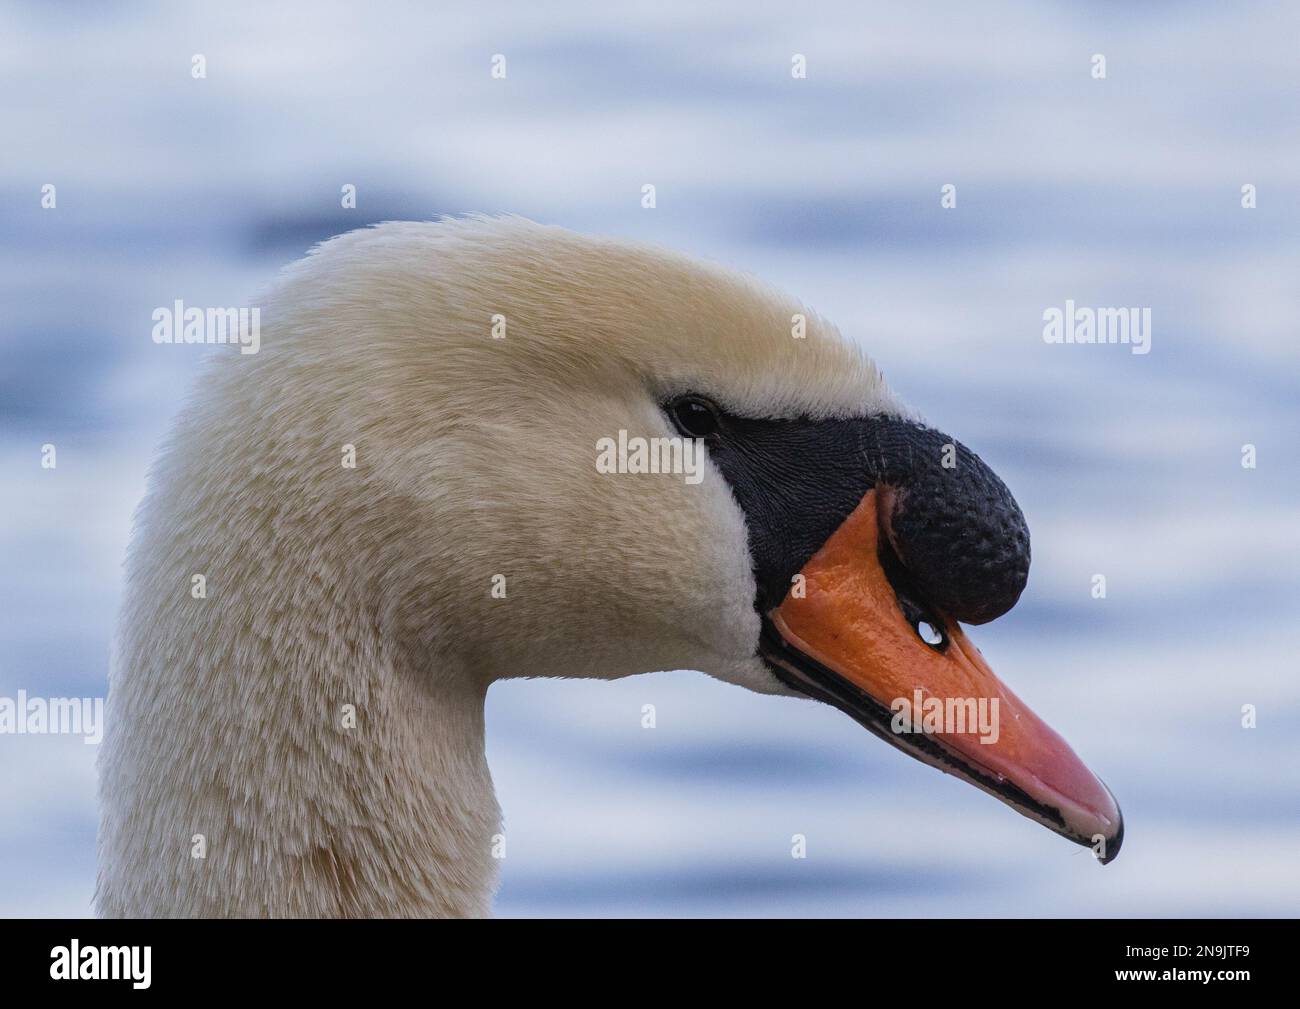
869, 957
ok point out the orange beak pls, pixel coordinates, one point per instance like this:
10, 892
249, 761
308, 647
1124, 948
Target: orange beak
842, 636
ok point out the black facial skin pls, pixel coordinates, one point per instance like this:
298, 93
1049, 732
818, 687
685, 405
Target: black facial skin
955, 540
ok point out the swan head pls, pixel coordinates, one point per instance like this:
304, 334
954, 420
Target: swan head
584, 457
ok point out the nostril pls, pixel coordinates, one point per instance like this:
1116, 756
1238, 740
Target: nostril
928, 633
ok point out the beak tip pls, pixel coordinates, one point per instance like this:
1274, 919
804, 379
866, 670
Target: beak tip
1113, 843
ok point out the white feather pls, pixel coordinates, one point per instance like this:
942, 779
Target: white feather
371, 587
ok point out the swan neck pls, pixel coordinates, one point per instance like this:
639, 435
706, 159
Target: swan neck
273, 750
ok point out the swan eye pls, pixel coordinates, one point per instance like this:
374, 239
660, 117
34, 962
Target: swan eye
694, 417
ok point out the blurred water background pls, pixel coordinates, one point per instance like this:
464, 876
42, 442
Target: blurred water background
1117, 192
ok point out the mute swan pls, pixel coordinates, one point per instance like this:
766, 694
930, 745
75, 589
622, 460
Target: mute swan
305, 736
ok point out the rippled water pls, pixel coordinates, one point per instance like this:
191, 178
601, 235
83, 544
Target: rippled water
1117, 192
